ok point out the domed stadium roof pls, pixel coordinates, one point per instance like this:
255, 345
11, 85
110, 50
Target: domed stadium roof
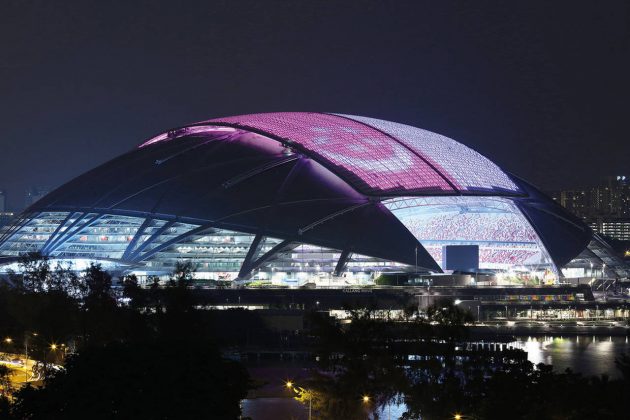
378, 157
297, 193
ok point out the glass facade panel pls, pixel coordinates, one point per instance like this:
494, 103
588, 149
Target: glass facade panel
305, 258
108, 237
358, 262
164, 233
218, 252
30, 233
504, 236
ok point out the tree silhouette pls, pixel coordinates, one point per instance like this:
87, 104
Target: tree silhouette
5, 380
140, 379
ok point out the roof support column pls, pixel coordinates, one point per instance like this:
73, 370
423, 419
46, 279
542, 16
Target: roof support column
343, 262
254, 248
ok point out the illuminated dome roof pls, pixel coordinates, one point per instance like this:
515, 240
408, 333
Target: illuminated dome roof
376, 156
294, 193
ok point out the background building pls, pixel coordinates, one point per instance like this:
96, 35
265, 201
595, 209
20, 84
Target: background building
295, 198
5, 216
608, 200
33, 194
605, 207
615, 228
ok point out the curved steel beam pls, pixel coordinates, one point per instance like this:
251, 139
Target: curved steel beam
342, 262
281, 247
262, 168
168, 243
254, 248
331, 217
67, 235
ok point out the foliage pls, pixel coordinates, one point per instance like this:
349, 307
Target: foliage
150, 359
5, 380
154, 358
356, 360
530, 392
416, 360
161, 378
183, 273
391, 279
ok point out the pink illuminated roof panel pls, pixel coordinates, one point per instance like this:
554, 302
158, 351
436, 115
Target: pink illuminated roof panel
373, 161
376, 156
468, 170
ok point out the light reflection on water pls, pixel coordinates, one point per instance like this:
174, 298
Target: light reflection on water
589, 355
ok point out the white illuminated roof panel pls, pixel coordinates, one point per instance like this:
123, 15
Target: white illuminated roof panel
464, 167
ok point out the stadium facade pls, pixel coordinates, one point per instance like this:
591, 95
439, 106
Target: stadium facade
294, 198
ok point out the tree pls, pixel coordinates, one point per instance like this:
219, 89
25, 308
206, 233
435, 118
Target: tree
34, 273
140, 379
355, 359
370, 355
178, 297
99, 285
132, 291
5, 408
183, 273
446, 313
64, 279
101, 316
176, 316
5, 380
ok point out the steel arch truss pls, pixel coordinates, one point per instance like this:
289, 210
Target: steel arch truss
153, 245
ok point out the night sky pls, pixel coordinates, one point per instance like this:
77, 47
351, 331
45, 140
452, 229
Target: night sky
542, 88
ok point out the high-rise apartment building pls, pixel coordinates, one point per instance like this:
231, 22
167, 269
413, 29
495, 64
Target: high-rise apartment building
609, 199
605, 207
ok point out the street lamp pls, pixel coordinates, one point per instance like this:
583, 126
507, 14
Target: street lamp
289, 385
8, 340
26, 337
366, 399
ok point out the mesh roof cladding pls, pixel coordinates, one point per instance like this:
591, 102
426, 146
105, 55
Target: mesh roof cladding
376, 156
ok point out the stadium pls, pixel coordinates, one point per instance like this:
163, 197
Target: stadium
296, 198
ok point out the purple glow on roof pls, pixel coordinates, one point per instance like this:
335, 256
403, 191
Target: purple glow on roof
186, 131
467, 169
376, 156
359, 152
155, 139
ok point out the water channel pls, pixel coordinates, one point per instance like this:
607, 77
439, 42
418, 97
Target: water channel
588, 355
